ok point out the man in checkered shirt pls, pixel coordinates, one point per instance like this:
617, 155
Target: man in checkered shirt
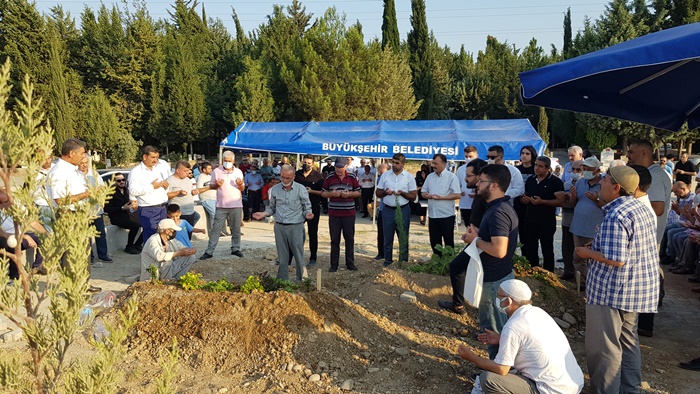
622, 281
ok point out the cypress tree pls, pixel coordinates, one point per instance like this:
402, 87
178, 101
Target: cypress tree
390, 27
566, 50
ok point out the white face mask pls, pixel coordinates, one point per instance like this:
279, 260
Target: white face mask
499, 307
467, 160
228, 165
575, 176
490, 161
588, 175
253, 172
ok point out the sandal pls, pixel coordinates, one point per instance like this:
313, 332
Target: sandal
450, 306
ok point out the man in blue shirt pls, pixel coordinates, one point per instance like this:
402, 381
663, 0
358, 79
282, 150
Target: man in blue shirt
622, 282
254, 182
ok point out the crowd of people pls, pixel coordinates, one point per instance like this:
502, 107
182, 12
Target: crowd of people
619, 226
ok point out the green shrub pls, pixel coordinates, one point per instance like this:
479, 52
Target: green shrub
252, 284
438, 265
191, 281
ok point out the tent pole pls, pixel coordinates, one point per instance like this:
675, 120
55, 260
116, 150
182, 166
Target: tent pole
376, 178
221, 154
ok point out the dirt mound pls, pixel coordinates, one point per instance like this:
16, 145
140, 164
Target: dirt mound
356, 330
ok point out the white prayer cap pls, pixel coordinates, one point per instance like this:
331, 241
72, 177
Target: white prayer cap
516, 289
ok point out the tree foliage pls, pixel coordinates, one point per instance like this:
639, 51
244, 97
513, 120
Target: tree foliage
390, 27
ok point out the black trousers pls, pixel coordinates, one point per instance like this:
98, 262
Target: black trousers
367, 194
441, 229
312, 226
344, 225
130, 225
538, 234
567, 251
466, 216
254, 200
458, 271
380, 234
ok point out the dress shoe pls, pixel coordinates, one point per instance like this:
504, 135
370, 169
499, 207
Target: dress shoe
352, 267
334, 268
237, 253
560, 260
312, 263
387, 263
645, 333
106, 259
568, 277
205, 256
40, 270
131, 249
450, 306
683, 271
692, 365
94, 289
379, 257
693, 279
695, 289
139, 247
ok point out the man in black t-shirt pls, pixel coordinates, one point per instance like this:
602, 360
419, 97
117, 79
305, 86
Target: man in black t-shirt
313, 181
684, 170
498, 237
543, 193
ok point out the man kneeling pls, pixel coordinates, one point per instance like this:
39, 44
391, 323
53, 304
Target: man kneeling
171, 257
531, 343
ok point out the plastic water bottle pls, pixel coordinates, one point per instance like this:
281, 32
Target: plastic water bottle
86, 316
99, 330
103, 300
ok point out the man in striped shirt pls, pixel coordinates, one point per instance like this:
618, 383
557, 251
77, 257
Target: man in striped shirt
341, 188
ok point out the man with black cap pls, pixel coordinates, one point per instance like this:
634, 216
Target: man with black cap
622, 282
532, 343
341, 188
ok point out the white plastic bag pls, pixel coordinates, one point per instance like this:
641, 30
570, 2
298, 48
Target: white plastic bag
477, 386
474, 280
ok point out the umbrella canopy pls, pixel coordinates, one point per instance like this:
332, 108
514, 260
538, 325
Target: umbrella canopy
653, 79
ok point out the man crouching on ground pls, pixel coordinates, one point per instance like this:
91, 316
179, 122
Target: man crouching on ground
171, 257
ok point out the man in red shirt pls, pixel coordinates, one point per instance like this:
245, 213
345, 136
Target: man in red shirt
341, 188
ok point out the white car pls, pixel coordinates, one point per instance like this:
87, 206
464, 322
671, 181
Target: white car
355, 161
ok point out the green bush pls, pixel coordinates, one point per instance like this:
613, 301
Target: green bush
438, 265
252, 284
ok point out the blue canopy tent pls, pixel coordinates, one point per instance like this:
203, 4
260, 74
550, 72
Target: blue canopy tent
417, 139
652, 79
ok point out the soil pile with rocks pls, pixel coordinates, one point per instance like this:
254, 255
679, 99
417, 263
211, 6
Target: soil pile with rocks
355, 336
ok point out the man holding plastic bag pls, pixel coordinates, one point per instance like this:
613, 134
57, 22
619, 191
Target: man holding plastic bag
496, 238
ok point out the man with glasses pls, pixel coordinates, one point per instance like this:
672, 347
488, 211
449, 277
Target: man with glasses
396, 188
498, 236
441, 189
567, 216
120, 214
586, 199
516, 188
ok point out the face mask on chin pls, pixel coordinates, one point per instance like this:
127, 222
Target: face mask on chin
228, 165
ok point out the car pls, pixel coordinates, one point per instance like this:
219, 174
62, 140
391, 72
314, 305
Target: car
355, 161
108, 174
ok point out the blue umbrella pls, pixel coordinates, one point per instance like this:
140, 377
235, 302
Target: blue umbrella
653, 79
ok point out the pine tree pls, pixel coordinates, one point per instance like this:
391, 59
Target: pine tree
297, 13
241, 37
390, 27
253, 98
62, 86
543, 126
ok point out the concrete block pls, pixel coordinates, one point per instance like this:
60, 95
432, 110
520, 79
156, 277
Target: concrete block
408, 296
12, 336
116, 237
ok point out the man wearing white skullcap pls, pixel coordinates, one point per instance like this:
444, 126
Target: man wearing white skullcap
532, 343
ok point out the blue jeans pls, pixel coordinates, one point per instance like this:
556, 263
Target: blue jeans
489, 316
101, 240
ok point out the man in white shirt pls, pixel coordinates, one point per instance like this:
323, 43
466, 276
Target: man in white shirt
465, 201
182, 192
517, 186
67, 184
441, 189
366, 180
148, 185
207, 196
532, 343
166, 253
396, 188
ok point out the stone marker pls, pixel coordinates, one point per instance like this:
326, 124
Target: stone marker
408, 296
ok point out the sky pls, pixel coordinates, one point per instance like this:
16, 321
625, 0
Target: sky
454, 23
